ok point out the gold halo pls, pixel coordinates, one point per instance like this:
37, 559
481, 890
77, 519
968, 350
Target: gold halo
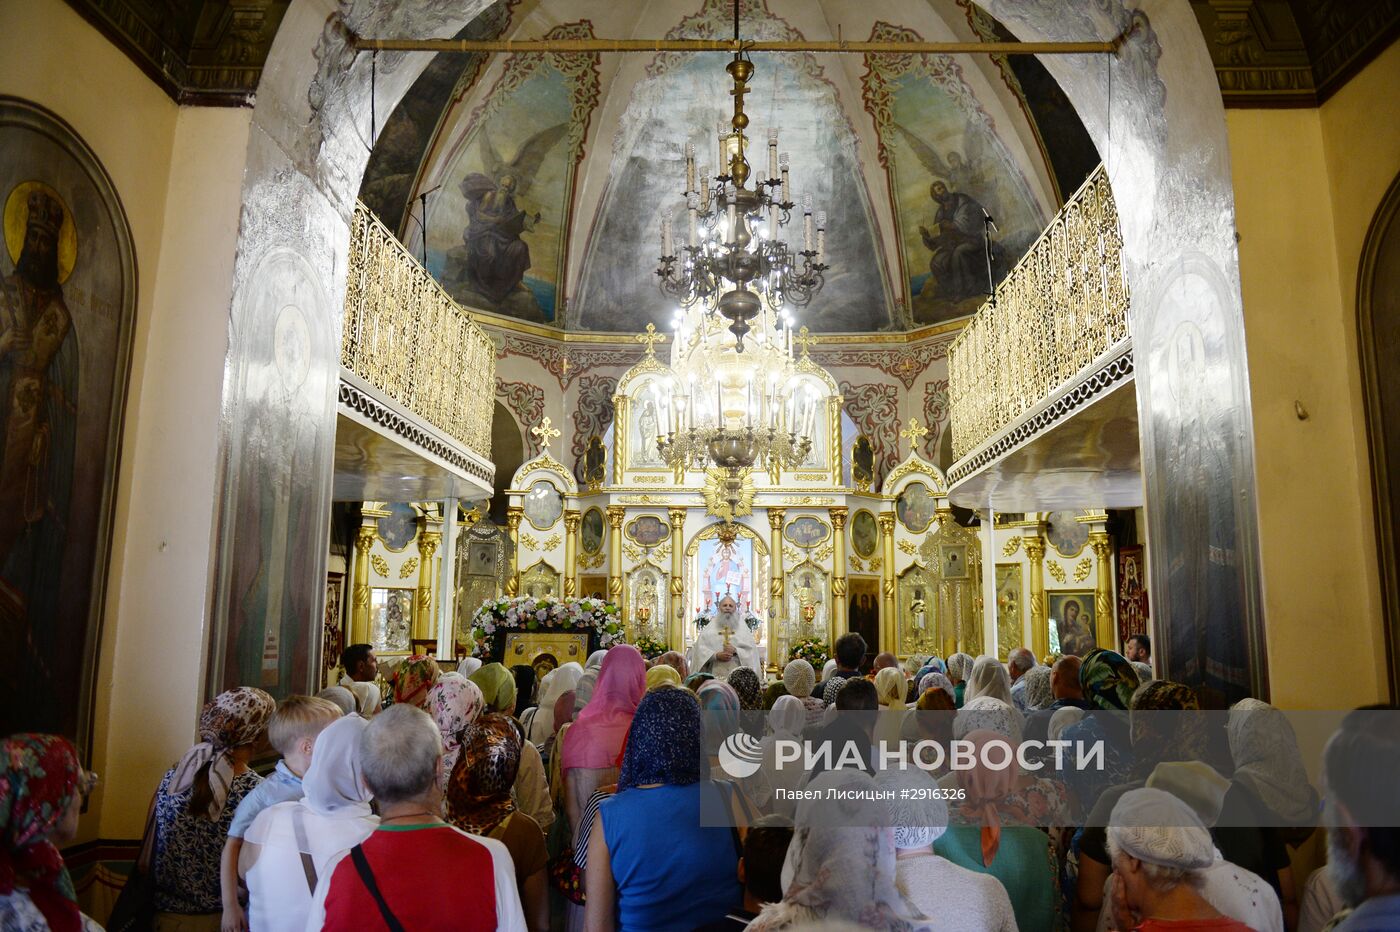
17, 217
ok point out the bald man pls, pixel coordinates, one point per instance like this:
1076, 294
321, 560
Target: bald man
1064, 686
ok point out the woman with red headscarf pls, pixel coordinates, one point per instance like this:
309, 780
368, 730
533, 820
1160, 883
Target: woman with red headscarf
41, 794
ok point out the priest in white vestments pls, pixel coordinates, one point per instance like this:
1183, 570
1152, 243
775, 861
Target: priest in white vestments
725, 643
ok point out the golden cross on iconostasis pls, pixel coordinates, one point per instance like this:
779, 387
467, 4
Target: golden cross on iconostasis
914, 433
805, 340
545, 432
650, 338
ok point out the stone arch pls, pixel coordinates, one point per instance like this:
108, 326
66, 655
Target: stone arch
1154, 113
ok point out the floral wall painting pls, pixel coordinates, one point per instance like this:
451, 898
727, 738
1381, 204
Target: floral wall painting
949, 169
67, 308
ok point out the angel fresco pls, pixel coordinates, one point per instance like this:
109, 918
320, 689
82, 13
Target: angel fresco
958, 264
489, 268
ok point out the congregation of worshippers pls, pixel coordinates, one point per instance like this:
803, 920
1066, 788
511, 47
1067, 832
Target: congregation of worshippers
569, 796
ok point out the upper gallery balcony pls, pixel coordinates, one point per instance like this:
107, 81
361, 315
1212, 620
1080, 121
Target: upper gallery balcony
1040, 381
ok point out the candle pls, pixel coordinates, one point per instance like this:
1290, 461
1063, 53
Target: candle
692, 209
787, 190
821, 236
704, 189
807, 222
666, 244
689, 167
773, 153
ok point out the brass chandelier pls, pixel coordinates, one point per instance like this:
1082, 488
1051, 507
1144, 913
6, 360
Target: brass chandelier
735, 258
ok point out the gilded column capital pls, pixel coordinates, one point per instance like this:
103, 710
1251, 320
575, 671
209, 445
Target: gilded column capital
1101, 544
677, 516
838, 516
775, 518
886, 523
428, 542
514, 515
572, 519
365, 535
1035, 547
615, 515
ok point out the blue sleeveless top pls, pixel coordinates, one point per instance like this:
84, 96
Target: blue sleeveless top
670, 873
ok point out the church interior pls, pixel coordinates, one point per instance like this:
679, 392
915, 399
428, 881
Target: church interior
508, 327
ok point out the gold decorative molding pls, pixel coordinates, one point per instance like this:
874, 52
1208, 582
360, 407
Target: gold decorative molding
632, 552
1011, 546
530, 540
908, 547
1083, 569
876, 563
856, 563
1057, 572
552, 541
381, 565
410, 566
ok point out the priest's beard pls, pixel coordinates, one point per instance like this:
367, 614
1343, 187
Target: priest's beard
1347, 875
728, 620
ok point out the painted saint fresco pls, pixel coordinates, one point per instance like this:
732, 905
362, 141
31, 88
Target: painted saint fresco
67, 300
497, 226
680, 101
949, 172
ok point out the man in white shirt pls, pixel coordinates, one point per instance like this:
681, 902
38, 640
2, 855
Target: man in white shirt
361, 670
724, 644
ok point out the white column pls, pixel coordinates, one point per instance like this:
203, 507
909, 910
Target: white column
989, 583
447, 582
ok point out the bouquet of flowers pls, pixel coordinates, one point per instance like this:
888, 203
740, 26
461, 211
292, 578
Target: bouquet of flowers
751, 621
812, 650
526, 613
650, 647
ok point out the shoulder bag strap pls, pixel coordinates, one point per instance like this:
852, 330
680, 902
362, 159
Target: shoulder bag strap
145, 860
308, 866
357, 855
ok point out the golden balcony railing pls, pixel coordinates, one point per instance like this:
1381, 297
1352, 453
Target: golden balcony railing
405, 336
1062, 306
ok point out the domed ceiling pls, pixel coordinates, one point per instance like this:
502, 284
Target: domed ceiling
541, 180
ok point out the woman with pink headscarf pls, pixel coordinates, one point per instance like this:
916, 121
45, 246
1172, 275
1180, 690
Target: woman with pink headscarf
592, 747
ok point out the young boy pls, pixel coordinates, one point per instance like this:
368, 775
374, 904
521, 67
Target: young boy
292, 732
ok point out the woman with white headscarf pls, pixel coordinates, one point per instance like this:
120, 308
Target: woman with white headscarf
989, 678
1269, 764
959, 669
960, 898
468, 665
289, 846
786, 720
799, 679
539, 723
840, 866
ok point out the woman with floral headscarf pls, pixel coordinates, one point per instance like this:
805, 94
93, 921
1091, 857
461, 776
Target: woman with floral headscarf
196, 801
41, 794
997, 827
840, 866
454, 702
413, 678
633, 882
479, 801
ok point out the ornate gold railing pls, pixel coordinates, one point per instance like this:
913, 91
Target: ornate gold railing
1064, 304
409, 339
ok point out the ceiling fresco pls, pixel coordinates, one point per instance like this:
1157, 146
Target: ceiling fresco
545, 177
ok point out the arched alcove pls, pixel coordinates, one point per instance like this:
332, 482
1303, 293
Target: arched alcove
1378, 337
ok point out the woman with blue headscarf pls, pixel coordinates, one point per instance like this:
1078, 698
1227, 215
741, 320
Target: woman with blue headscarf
634, 881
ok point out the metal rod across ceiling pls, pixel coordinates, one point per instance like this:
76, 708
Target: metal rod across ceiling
543, 46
